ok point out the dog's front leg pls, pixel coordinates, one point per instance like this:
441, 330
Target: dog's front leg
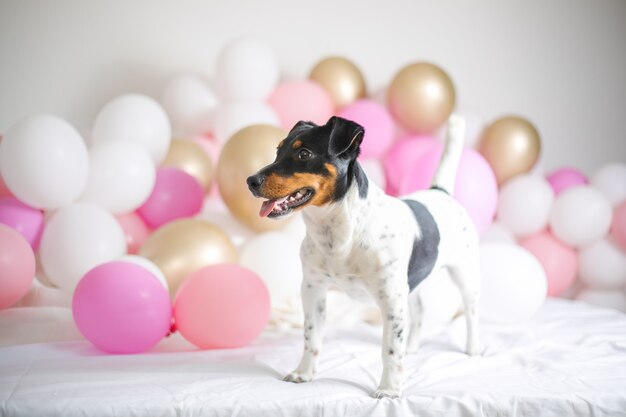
394, 312
314, 305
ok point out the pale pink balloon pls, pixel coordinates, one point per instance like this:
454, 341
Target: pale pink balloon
377, 122
176, 194
402, 156
17, 266
476, 187
135, 230
213, 148
301, 100
121, 307
618, 225
27, 220
558, 260
564, 178
222, 306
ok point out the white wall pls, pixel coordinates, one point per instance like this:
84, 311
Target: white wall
560, 63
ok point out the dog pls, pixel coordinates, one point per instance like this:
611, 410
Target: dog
371, 245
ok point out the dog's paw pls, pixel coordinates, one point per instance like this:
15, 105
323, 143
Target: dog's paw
298, 378
387, 393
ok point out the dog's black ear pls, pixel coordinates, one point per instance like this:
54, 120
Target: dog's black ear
345, 137
302, 125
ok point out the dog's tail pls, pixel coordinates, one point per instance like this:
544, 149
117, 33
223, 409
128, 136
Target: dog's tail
445, 176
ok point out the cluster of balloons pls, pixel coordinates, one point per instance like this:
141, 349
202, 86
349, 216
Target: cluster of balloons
573, 227
153, 222
80, 214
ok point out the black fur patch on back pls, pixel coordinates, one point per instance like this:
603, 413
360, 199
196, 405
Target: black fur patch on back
426, 248
361, 180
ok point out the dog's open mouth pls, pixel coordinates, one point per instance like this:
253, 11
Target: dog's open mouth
285, 205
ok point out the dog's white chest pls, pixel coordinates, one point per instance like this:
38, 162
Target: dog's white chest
363, 251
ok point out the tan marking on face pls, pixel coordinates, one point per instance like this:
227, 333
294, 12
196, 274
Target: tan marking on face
297, 144
282, 142
276, 186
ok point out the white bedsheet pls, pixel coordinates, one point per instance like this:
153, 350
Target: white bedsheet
569, 361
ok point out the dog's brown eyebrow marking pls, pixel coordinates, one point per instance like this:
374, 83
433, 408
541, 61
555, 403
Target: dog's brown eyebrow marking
297, 144
280, 145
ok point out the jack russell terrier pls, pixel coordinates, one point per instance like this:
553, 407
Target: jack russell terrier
369, 244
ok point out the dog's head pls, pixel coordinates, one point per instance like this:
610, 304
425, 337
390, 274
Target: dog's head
312, 167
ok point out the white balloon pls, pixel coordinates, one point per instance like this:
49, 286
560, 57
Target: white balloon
275, 257
148, 265
514, 283
44, 161
602, 265
524, 204
135, 118
190, 103
580, 215
233, 117
246, 71
341, 309
76, 239
375, 172
121, 176
497, 233
611, 181
615, 299
441, 299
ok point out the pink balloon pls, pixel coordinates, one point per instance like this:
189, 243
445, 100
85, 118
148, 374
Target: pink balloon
121, 307
17, 266
211, 146
618, 225
25, 219
135, 230
301, 100
378, 124
558, 260
4, 190
222, 306
476, 187
403, 155
176, 194
564, 178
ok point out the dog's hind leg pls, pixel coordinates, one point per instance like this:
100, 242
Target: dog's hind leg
314, 305
416, 311
467, 278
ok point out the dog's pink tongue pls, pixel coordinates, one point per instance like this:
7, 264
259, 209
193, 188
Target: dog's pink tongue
267, 207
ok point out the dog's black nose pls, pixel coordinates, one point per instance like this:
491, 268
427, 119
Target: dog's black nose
255, 182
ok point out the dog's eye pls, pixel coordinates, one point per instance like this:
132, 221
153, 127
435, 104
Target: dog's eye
304, 154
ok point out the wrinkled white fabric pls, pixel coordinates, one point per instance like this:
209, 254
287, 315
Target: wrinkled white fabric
569, 361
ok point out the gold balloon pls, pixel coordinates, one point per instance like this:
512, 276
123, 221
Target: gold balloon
511, 145
191, 158
184, 246
421, 96
341, 78
247, 151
